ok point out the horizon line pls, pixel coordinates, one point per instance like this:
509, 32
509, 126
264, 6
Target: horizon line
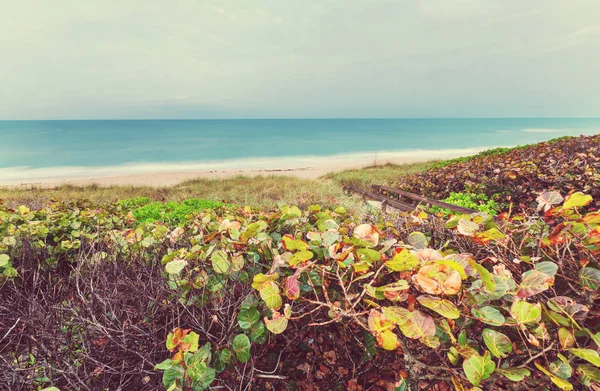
288, 118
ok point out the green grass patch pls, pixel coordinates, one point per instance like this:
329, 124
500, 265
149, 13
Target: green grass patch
169, 212
479, 202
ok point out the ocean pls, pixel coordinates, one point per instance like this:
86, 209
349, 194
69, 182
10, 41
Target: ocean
31, 150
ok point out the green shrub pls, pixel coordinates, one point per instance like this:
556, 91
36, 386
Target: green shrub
517, 177
470, 303
172, 212
479, 202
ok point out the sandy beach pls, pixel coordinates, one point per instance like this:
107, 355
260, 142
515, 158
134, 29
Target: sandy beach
157, 176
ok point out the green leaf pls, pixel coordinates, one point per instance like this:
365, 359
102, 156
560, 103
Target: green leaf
237, 263
248, 317
560, 383
189, 343
10, 272
171, 375
498, 344
588, 355
361, 267
164, 365
381, 327
225, 356
398, 315
291, 212
402, 261
418, 326
174, 267
201, 374
442, 307
514, 374
489, 315
431, 341
566, 338
594, 337
299, 257
534, 282
291, 244
547, 267
261, 280
197, 368
370, 347
388, 340
526, 313
257, 330
453, 355
485, 275
253, 229
270, 293
278, 324
418, 240
340, 210
241, 347
369, 255
589, 278
467, 227
479, 368
561, 367
444, 325
51, 389
589, 371
489, 235
577, 200
4, 259
220, 262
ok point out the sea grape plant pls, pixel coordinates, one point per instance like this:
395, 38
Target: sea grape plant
189, 368
475, 302
483, 311
517, 176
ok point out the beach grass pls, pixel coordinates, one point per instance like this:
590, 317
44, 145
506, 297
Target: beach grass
382, 174
257, 191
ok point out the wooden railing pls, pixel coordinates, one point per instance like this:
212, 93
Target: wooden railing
403, 200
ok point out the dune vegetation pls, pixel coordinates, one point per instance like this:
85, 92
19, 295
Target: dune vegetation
258, 191
266, 292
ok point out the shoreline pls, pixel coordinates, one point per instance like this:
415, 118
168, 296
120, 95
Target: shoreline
156, 175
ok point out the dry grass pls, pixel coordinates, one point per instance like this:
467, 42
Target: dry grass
385, 174
260, 191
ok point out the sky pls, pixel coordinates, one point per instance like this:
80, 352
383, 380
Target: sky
98, 59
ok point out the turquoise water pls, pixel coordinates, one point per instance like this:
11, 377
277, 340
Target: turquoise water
27, 146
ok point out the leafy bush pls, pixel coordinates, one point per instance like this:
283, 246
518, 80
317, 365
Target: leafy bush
518, 176
464, 159
172, 212
246, 295
491, 152
479, 202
